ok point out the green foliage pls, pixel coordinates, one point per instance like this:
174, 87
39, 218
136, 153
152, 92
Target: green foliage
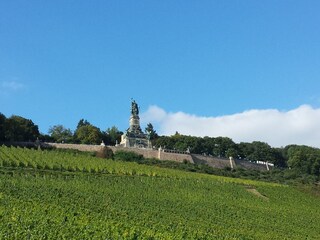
180, 142
260, 151
82, 123
304, 159
222, 144
151, 132
231, 152
20, 129
61, 134
2, 127
127, 156
68, 195
88, 134
112, 136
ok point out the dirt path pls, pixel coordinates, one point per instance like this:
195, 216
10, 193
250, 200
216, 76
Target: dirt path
256, 193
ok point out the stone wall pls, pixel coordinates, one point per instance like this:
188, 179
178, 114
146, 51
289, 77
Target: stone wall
224, 162
250, 165
157, 154
147, 153
178, 157
80, 147
211, 161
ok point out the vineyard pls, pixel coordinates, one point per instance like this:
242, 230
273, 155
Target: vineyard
66, 195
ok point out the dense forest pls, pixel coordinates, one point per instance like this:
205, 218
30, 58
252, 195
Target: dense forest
303, 159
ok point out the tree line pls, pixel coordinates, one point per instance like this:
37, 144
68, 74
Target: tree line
304, 159
85, 133
20, 129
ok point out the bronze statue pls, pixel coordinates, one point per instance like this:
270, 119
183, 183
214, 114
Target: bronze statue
134, 108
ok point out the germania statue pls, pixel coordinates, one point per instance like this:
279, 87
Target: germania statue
133, 136
134, 108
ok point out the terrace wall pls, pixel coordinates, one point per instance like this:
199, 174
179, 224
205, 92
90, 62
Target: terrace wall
157, 154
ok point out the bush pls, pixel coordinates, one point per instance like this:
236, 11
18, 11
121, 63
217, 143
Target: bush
128, 156
105, 153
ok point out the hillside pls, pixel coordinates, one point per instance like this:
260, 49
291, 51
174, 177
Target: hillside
61, 195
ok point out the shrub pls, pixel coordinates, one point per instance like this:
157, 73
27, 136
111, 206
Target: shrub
128, 156
105, 153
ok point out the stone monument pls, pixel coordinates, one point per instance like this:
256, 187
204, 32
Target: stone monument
133, 136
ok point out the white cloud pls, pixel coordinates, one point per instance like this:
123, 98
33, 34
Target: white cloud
12, 85
277, 128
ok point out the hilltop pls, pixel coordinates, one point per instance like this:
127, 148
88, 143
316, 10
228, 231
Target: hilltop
301, 160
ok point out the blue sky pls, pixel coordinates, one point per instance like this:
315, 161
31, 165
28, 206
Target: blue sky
61, 61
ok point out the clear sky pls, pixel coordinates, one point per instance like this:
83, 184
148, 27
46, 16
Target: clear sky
212, 61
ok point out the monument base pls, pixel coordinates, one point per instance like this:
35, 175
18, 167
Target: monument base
135, 142
134, 137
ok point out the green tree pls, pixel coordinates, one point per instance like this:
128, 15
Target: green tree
222, 144
245, 149
164, 142
231, 152
261, 152
82, 122
61, 134
151, 132
279, 157
88, 134
207, 145
20, 129
46, 138
2, 127
112, 136
303, 158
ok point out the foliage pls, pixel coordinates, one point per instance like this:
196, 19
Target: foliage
112, 136
67, 195
259, 151
151, 132
127, 156
2, 127
61, 134
88, 134
82, 122
303, 158
76, 161
20, 129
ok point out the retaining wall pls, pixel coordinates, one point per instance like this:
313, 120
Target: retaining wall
250, 165
157, 154
178, 157
145, 152
211, 161
80, 147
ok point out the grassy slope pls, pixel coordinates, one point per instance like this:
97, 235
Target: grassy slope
134, 201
